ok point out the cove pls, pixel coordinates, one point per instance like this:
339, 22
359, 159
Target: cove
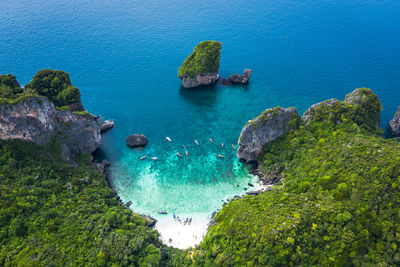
124, 55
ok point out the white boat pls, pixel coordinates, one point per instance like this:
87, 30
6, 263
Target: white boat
233, 146
169, 139
179, 154
187, 153
211, 140
154, 158
220, 156
142, 158
197, 143
222, 145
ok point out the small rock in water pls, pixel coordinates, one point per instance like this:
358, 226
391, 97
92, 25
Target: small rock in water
136, 140
128, 204
106, 125
242, 79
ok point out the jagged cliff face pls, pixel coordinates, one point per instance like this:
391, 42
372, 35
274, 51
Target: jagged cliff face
270, 125
38, 120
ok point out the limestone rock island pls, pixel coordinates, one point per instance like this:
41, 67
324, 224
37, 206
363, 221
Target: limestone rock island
201, 66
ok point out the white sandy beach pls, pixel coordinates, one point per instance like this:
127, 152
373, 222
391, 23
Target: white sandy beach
182, 236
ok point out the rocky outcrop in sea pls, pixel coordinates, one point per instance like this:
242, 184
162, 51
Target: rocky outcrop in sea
106, 125
241, 79
136, 140
36, 119
270, 125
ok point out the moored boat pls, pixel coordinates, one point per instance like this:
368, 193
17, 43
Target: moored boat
168, 139
186, 152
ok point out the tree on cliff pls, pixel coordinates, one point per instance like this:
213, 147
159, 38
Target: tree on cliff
56, 86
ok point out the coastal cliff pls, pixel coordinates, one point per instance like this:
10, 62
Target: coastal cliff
201, 66
68, 209
270, 125
30, 115
37, 120
360, 106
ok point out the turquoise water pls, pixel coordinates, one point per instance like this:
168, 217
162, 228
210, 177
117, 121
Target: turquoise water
124, 55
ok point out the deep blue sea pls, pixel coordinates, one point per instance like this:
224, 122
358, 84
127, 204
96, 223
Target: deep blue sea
123, 55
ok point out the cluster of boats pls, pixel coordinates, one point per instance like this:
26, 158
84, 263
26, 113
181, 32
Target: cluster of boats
186, 151
187, 221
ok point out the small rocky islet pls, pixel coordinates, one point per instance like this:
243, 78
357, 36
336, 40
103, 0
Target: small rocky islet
136, 140
201, 67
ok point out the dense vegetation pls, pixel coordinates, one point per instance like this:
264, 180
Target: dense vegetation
337, 205
9, 86
56, 86
54, 214
11, 91
204, 58
53, 84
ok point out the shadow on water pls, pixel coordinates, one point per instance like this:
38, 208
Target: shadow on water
238, 86
204, 96
244, 87
99, 155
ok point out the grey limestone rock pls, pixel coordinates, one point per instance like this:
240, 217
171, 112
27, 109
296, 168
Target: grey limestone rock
136, 140
37, 120
106, 125
200, 79
242, 79
270, 125
394, 124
